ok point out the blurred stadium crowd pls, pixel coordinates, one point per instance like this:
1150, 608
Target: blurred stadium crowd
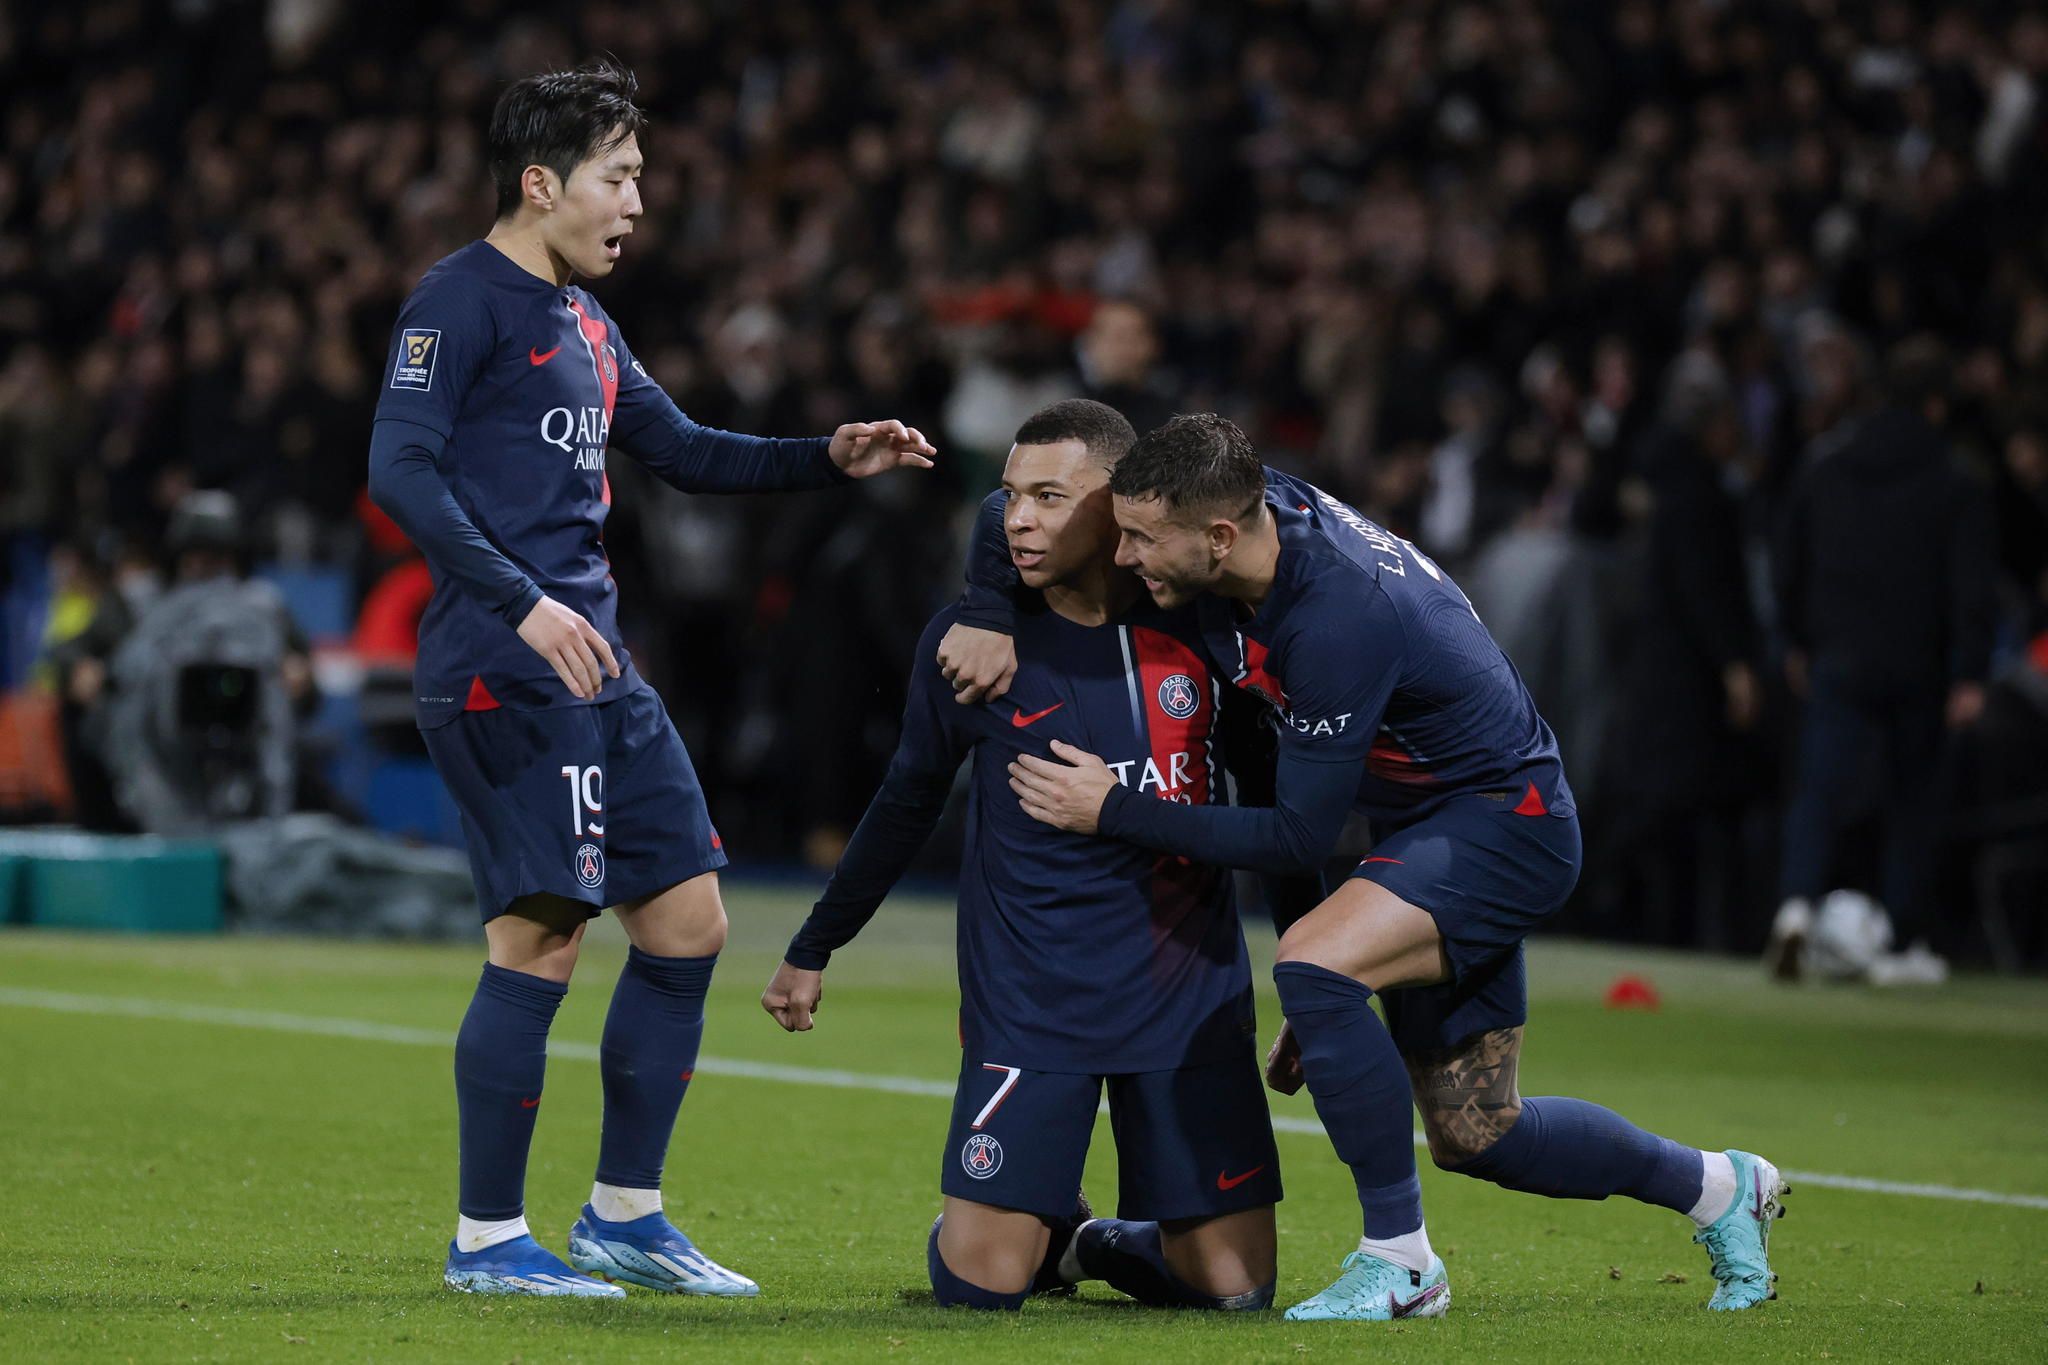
1699, 339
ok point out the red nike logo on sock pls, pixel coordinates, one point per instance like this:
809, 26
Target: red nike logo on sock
1020, 720
533, 1103
540, 357
1231, 1182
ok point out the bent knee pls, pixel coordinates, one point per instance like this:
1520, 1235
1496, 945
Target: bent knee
1460, 1138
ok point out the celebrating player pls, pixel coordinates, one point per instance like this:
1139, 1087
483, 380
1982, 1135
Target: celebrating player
1082, 960
1390, 697
506, 388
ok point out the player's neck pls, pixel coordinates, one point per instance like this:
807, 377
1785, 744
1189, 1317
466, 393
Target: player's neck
1095, 596
525, 249
1252, 564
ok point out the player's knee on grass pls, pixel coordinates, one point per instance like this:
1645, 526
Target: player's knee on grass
980, 1263
1229, 1259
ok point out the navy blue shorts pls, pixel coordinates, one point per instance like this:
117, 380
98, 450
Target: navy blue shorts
1192, 1143
1487, 876
596, 803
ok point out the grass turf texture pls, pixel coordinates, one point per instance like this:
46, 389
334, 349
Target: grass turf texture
181, 1190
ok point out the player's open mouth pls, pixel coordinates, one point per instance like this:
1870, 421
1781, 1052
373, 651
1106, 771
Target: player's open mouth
1026, 559
1151, 584
611, 247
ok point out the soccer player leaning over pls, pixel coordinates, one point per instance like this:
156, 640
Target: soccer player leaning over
1083, 960
1391, 698
506, 387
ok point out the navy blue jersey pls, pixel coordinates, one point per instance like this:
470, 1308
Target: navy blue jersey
1368, 652
504, 392
1077, 953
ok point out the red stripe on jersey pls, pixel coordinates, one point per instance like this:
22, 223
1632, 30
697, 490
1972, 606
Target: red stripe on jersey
480, 698
1389, 762
606, 368
1255, 678
1532, 804
1172, 679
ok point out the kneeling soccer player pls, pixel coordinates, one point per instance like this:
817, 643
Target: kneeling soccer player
1083, 961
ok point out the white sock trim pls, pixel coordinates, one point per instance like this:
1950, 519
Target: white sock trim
1070, 1260
1717, 1189
1410, 1251
617, 1204
473, 1234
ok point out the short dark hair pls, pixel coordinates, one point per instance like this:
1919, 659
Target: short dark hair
1107, 433
1197, 462
559, 119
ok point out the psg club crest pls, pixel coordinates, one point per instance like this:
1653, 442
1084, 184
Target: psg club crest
1178, 697
982, 1157
590, 866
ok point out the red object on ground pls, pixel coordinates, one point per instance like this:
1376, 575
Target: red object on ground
1632, 993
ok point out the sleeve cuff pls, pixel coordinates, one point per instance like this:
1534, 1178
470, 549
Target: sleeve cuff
515, 611
806, 959
832, 470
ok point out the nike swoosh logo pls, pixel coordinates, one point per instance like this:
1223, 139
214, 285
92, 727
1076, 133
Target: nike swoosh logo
540, 357
1402, 1310
1395, 861
1231, 1182
1020, 720
533, 1103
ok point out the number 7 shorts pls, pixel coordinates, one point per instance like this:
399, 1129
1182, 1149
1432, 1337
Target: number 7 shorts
599, 804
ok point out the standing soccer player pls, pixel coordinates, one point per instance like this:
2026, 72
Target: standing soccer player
506, 387
1390, 697
1083, 961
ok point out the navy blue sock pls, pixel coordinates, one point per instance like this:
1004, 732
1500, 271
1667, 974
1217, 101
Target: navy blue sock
501, 1059
1127, 1256
1569, 1149
1360, 1086
648, 1055
952, 1291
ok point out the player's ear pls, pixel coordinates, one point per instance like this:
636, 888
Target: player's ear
1222, 537
538, 186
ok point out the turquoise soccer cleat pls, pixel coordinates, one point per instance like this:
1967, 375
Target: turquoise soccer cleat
521, 1266
1739, 1241
652, 1253
1376, 1290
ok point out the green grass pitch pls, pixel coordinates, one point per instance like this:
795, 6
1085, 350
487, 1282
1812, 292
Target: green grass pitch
200, 1173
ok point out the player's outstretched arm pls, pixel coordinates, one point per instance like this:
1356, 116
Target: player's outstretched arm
1076, 791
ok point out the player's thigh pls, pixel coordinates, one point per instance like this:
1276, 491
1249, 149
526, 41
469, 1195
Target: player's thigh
1366, 932
528, 785
659, 842
539, 935
1195, 1153
995, 1248
1468, 1094
686, 920
1225, 1256
1018, 1138
1448, 897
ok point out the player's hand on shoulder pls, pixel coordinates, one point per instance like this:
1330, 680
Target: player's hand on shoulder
1065, 791
1283, 1062
979, 663
792, 997
571, 645
863, 449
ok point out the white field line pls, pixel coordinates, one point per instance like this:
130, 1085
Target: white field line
363, 1030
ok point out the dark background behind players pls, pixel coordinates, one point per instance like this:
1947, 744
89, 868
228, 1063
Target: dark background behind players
1569, 292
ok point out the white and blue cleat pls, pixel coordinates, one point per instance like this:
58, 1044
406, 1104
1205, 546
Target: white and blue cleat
521, 1266
1739, 1241
652, 1253
1373, 1289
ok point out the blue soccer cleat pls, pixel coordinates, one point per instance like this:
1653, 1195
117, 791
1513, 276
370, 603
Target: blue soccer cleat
1376, 1290
1739, 1241
652, 1253
521, 1266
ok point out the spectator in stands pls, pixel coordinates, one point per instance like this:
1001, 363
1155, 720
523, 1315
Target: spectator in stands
1885, 595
